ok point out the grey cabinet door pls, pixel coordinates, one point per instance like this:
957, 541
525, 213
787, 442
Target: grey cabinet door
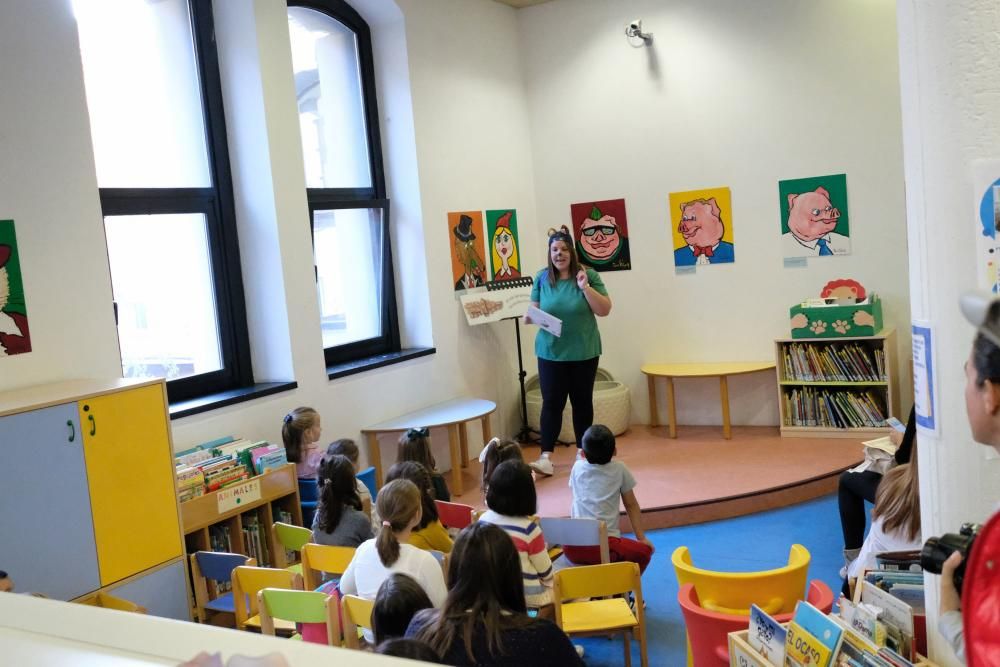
162, 592
46, 528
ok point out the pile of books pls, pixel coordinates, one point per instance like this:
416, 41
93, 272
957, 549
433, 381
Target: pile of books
224, 462
190, 482
255, 540
833, 363
834, 409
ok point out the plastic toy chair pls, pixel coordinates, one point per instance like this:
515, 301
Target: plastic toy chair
317, 612
318, 558
108, 601
602, 616
247, 582
775, 591
454, 516
574, 533
367, 477
308, 498
357, 614
708, 631
215, 567
285, 536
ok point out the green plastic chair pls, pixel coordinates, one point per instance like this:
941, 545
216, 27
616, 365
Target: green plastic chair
317, 614
293, 538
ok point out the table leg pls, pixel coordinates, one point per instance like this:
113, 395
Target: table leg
456, 460
651, 383
375, 458
671, 408
724, 390
487, 429
463, 439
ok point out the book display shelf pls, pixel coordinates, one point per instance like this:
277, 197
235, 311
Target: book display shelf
837, 387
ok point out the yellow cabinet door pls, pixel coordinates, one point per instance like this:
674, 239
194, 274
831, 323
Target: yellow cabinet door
131, 473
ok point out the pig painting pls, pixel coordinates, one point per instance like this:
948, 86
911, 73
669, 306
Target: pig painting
813, 224
701, 227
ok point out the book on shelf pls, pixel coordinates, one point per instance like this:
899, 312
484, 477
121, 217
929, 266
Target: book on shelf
272, 460
803, 649
766, 636
836, 362
808, 406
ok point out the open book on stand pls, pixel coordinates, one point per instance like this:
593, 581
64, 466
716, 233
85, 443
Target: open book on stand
501, 300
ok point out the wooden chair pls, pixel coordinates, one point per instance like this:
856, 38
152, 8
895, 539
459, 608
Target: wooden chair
318, 558
316, 612
247, 582
210, 571
454, 516
594, 616
287, 537
357, 613
574, 533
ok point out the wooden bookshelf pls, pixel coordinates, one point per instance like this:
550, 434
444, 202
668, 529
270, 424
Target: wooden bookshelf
884, 390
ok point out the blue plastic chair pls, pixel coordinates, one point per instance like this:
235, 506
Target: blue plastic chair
367, 477
309, 498
217, 567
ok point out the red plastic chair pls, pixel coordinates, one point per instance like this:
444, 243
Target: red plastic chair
454, 515
708, 631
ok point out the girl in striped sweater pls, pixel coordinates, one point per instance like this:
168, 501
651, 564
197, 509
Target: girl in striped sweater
512, 505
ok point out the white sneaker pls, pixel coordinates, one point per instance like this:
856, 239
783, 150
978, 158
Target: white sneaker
543, 466
579, 650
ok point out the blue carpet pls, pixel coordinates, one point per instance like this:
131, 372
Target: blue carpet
755, 542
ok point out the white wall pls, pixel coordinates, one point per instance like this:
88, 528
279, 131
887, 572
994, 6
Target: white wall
732, 93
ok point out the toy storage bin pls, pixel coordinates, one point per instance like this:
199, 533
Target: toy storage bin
612, 405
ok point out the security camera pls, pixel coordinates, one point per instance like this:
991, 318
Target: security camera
634, 29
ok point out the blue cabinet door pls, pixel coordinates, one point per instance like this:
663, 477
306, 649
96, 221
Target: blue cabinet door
46, 529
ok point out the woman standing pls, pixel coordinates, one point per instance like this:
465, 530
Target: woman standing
567, 364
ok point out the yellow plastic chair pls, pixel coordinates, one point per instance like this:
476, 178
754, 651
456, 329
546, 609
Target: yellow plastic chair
775, 591
357, 614
247, 582
318, 558
602, 616
108, 601
285, 536
310, 608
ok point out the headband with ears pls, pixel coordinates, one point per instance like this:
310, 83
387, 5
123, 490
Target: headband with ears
561, 234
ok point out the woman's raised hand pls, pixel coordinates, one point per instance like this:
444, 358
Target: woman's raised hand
582, 281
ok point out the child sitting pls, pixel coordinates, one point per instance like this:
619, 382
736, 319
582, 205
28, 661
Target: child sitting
339, 520
299, 431
495, 452
429, 533
347, 447
399, 598
415, 445
597, 483
512, 504
6, 583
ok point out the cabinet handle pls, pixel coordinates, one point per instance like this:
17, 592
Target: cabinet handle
72, 429
93, 424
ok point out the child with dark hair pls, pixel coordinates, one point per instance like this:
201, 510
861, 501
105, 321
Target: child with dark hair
410, 649
415, 445
496, 451
6, 583
597, 483
512, 505
339, 520
347, 447
300, 431
399, 598
484, 620
429, 534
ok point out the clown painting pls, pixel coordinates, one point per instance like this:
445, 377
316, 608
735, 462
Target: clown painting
501, 228
14, 337
814, 221
702, 224
601, 232
468, 267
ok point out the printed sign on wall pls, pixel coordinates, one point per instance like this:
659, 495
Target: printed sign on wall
702, 222
467, 249
14, 337
814, 220
601, 232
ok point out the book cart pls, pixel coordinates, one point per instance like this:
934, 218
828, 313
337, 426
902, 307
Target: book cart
840, 387
741, 654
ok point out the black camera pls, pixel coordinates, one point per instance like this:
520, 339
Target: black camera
937, 549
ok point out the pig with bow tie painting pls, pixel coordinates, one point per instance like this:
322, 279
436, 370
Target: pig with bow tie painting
702, 228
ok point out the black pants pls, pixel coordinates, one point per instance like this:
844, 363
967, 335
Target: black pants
852, 492
559, 379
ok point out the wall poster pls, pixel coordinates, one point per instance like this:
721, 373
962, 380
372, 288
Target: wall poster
501, 228
702, 222
467, 249
14, 336
814, 219
601, 232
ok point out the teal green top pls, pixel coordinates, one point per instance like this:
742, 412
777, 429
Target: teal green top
580, 338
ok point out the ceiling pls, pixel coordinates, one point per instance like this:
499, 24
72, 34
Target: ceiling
521, 3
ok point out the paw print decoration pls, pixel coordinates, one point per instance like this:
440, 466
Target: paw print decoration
841, 326
817, 326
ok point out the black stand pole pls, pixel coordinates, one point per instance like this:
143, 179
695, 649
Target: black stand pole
526, 434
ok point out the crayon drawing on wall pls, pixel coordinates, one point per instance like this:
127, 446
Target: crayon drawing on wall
505, 260
702, 223
601, 232
467, 249
814, 219
14, 336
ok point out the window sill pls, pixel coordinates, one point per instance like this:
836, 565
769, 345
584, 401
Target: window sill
377, 361
231, 397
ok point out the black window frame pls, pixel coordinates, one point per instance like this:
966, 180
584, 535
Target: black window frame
216, 203
374, 197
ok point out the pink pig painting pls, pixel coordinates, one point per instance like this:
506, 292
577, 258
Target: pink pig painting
812, 217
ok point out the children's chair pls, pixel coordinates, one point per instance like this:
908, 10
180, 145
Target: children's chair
708, 631
108, 601
367, 477
308, 498
247, 581
357, 614
775, 591
574, 533
285, 536
454, 515
317, 612
595, 616
318, 558
216, 567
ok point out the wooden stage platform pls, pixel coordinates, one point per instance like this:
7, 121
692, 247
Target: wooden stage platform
700, 476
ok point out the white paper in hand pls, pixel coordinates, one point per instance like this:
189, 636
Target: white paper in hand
551, 324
